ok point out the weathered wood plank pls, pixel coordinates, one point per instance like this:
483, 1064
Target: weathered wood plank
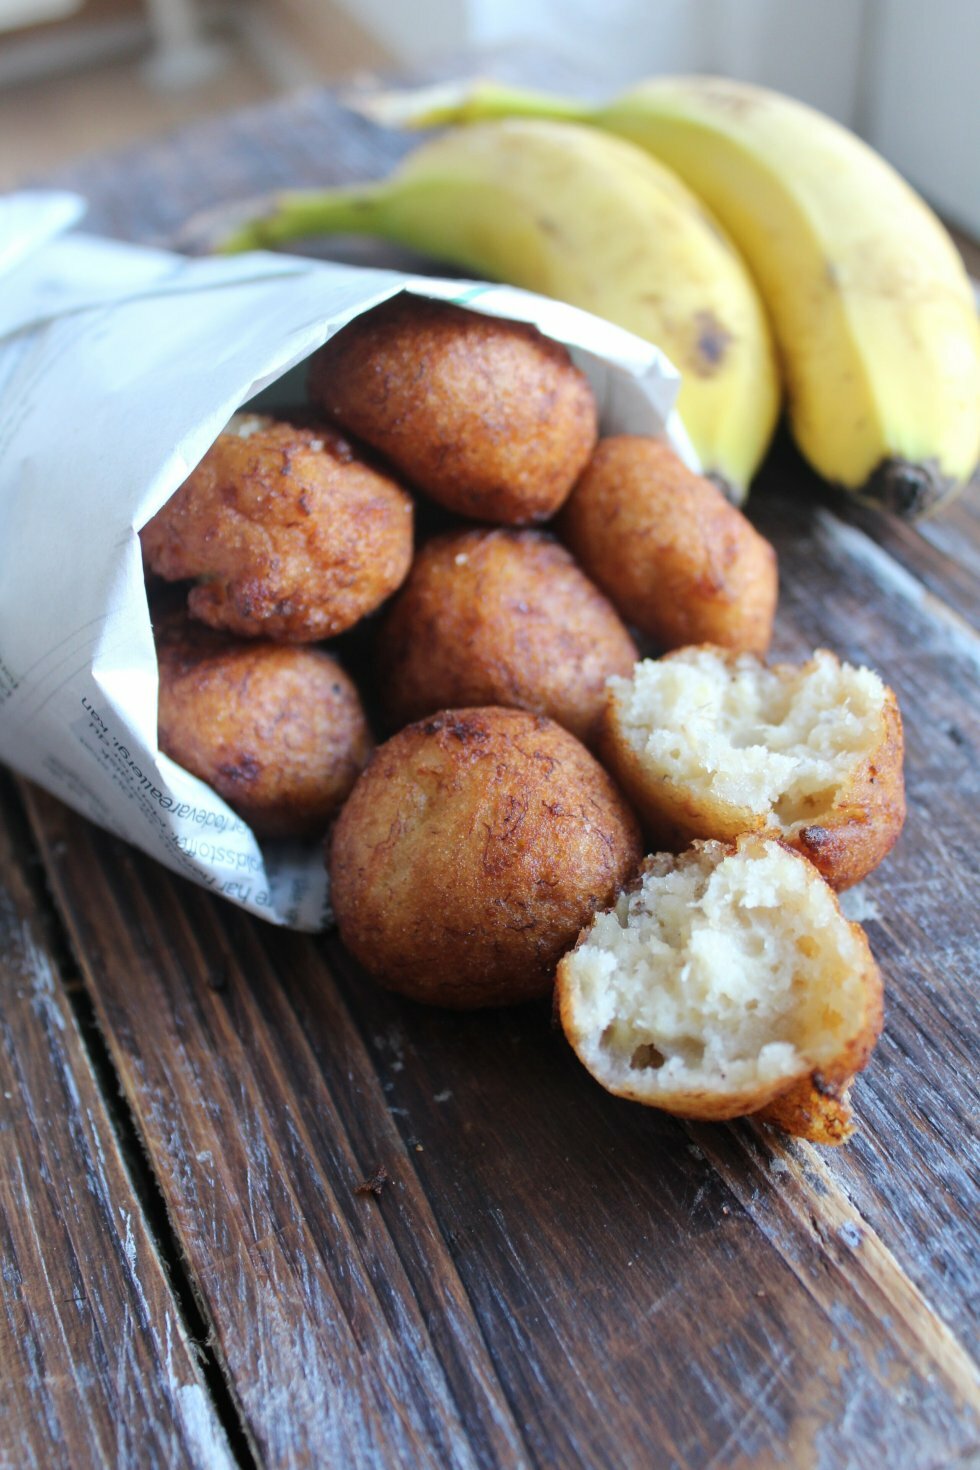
150, 192
624, 1298
584, 1187
342, 1325
943, 554
913, 1168
955, 534
95, 1365
578, 1286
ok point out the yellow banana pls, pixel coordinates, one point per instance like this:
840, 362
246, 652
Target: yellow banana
591, 220
870, 304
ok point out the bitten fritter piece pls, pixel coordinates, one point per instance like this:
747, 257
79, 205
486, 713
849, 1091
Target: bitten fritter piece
500, 617
488, 417
290, 534
709, 743
679, 563
278, 732
727, 981
471, 852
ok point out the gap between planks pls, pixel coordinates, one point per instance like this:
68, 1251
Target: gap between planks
800, 1204
51, 850
805, 1197
132, 1151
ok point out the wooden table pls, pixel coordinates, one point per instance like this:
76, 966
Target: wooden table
190, 1100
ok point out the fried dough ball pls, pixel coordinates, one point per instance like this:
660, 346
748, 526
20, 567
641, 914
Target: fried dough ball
500, 617
471, 852
679, 563
709, 743
291, 535
278, 732
488, 417
727, 981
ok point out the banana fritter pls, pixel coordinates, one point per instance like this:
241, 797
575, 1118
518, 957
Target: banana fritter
679, 563
472, 851
500, 617
278, 732
488, 417
288, 532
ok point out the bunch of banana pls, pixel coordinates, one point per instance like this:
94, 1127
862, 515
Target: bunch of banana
870, 305
594, 221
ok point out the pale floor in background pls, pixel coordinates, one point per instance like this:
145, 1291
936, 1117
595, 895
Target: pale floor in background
273, 48
45, 124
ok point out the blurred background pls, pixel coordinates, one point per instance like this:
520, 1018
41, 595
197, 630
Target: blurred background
83, 76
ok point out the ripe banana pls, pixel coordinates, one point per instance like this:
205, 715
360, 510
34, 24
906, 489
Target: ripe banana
591, 220
871, 307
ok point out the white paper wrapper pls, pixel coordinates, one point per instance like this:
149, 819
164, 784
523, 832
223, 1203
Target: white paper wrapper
119, 366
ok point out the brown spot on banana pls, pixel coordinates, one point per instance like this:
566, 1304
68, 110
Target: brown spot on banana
711, 344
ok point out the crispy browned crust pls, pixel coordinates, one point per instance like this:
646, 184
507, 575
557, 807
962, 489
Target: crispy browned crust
862, 826
278, 732
293, 535
676, 559
818, 1106
471, 852
812, 1105
488, 417
500, 617
812, 1111
845, 841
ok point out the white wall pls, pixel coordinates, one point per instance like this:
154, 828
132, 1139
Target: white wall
923, 99
809, 47
901, 72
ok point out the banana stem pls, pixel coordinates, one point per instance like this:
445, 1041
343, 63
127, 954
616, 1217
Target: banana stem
359, 209
486, 100
465, 102
354, 210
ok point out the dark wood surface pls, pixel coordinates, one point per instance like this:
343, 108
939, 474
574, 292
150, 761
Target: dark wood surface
548, 1276
96, 1362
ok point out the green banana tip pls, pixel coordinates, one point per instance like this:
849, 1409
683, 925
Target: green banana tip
232, 228
477, 99
237, 243
294, 214
419, 108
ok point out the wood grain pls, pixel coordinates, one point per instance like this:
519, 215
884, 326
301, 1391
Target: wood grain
943, 553
339, 1326
96, 1366
537, 1272
913, 1169
551, 1276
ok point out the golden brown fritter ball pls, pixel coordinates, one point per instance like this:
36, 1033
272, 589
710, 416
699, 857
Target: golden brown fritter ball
488, 417
291, 534
680, 563
471, 852
278, 732
500, 617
